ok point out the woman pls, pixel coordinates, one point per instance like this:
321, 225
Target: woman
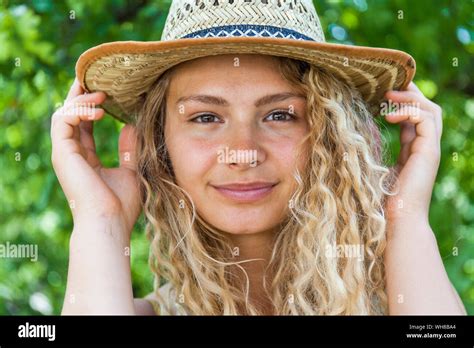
312, 224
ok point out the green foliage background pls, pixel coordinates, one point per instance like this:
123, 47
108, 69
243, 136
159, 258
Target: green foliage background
40, 42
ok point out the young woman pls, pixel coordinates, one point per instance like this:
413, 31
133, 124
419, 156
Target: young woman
313, 224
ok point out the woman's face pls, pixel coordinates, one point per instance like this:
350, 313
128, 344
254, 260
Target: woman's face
233, 126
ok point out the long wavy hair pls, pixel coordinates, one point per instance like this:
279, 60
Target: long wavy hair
338, 202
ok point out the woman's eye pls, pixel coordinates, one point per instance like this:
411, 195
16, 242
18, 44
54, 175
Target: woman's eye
280, 116
206, 118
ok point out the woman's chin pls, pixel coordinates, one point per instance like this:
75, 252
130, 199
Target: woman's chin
244, 219
243, 226
240, 230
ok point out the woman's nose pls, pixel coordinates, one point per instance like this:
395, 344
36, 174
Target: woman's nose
243, 148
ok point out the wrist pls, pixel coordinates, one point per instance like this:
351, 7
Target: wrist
106, 228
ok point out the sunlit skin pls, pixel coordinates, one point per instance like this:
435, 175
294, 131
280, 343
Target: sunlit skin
197, 128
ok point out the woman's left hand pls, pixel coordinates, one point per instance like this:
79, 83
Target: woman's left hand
416, 280
421, 127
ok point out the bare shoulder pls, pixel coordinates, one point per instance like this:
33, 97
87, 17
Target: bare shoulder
143, 305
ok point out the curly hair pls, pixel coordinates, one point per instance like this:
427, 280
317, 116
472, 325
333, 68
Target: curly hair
338, 202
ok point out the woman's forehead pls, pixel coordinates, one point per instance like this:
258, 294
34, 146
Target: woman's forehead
246, 59
224, 76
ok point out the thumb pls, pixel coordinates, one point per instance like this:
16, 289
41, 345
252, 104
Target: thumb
127, 146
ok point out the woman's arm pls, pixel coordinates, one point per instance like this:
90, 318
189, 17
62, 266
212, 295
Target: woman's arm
99, 279
104, 204
417, 282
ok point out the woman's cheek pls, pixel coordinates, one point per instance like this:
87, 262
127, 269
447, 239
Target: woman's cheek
284, 154
192, 159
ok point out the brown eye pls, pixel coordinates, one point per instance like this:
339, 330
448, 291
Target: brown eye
280, 116
205, 118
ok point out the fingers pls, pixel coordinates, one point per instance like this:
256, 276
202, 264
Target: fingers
75, 90
407, 135
86, 129
409, 98
414, 96
80, 108
414, 88
86, 100
62, 126
422, 120
127, 146
414, 104
420, 124
407, 132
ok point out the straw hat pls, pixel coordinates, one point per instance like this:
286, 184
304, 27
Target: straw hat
125, 70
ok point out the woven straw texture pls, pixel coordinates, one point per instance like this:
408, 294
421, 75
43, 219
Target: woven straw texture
189, 17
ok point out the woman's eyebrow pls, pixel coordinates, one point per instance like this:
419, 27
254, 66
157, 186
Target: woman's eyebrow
273, 98
210, 99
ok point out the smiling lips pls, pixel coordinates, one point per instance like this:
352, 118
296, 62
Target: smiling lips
246, 192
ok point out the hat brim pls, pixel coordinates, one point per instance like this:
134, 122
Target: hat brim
125, 70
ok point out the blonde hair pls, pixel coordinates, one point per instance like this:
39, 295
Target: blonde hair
338, 201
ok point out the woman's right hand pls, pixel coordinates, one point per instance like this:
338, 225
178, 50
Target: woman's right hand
92, 190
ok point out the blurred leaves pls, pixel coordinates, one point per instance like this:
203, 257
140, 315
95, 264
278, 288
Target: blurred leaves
40, 42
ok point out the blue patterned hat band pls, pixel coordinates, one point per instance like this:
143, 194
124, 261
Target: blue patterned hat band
248, 30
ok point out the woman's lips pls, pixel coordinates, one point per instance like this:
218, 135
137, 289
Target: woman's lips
245, 192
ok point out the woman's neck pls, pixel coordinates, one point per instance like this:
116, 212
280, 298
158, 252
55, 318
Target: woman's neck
255, 246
